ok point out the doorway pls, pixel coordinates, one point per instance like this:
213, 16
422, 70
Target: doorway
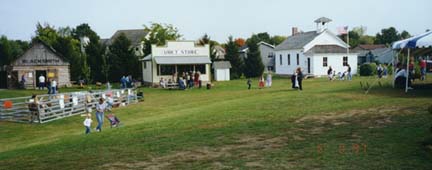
38, 74
3, 79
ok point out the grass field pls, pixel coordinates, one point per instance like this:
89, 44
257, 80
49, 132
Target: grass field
329, 125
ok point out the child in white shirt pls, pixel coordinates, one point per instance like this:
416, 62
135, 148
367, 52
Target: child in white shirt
87, 123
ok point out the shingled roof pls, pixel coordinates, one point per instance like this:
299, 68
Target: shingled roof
297, 41
327, 49
134, 35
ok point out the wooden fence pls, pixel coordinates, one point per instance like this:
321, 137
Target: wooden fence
53, 107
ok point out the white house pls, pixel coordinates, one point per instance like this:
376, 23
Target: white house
314, 52
176, 57
222, 70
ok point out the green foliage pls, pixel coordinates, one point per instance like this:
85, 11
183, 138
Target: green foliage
273, 40
205, 39
233, 57
430, 109
158, 34
368, 69
390, 35
254, 66
122, 60
277, 39
11, 50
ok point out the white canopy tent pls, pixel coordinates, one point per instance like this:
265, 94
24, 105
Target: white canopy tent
422, 41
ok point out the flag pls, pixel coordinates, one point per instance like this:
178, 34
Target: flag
342, 30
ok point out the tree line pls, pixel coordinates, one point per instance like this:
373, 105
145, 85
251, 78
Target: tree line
100, 62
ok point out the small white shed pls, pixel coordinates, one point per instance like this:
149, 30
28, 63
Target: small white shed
222, 70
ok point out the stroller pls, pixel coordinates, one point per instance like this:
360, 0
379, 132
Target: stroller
114, 121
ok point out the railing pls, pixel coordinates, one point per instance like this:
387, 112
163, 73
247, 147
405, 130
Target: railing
53, 107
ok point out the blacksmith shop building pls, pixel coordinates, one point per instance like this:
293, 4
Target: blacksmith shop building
40, 59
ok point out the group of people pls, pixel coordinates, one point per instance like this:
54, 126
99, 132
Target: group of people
331, 73
126, 82
185, 80
50, 84
101, 107
401, 73
267, 82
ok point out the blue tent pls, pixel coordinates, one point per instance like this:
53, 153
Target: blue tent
420, 41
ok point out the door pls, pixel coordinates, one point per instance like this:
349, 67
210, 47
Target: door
3, 79
13, 81
309, 65
38, 74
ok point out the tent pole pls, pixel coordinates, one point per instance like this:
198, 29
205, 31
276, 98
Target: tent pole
407, 71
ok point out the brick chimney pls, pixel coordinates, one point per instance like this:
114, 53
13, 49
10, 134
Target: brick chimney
294, 31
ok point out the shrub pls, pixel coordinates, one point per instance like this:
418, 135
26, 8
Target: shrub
368, 69
430, 109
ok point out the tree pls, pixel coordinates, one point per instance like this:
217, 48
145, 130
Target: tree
122, 60
254, 66
240, 42
10, 50
232, 55
387, 36
94, 51
405, 35
277, 39
205, 39
158, 34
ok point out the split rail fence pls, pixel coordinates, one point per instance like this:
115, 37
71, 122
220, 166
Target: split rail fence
53, 107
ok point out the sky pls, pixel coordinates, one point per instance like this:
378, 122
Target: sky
218, 18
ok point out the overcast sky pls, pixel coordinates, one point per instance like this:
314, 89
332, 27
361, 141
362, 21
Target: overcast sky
218, 18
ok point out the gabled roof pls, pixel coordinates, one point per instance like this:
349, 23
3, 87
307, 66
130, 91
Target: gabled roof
297, 41
221, 65
370, 46
46, 46
245, 48
134, 35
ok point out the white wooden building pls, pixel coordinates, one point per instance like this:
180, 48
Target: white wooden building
314, 52
221, 70
176, 57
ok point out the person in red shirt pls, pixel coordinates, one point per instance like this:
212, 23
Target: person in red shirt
423, 68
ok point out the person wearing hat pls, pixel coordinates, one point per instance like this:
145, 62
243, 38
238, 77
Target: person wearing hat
100, 109
87, 123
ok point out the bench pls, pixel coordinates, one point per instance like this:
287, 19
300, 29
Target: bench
172, 86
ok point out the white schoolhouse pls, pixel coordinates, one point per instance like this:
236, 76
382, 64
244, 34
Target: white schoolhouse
314, 52
176, 57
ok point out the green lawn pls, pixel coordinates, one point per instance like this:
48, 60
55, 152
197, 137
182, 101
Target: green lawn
329, 125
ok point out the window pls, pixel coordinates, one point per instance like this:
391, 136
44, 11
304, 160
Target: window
325, 64
270, 55
298, 59
201, 68
345, 61
280, 59
166, 70
289, 59
145, 64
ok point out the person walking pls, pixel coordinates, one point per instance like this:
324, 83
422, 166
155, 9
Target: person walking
100, 110
349, 76
423, 69
41, 82
53, 86
87, 123
294, 83
300, 78
330, 73
261, 82
48, 85
379, 71
249, 83
269, 80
